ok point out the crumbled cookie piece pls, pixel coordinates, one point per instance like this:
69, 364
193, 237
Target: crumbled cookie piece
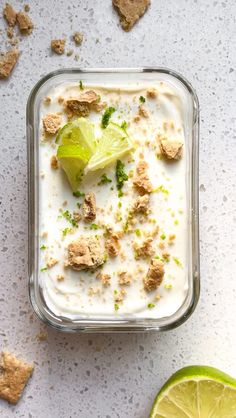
13, 378
105, 278
51, 123
141, 180
89, 207
112, 243
172, 150
10, 32
10, 14
144, 249
130, 11
27, 8
125, 278
154, 275
85, 253
7, 62
42, 336
25, 24
58, 46
152, 93
60, 277
83, 104
51, 261
143, 112
47, 101
77, 216
141, 205
54, 162
119, 296
78, 38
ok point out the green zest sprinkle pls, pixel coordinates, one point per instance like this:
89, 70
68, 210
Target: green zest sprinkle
116, 306
119, 204
106, 116
161, 189
138, 232
176, 222
163, 236
78, 194
168, 286
177, 262
115, 292
66, 231
43, 269
124, 125
151, 305
69, 218
142, 99
81, 86
79, 205
43, 247
94, 227
121, 177
105, 258
104, 180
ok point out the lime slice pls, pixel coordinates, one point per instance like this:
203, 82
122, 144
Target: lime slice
79, 132
73, 159
196, 392
113, 144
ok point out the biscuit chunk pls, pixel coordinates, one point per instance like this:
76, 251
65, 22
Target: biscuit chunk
130, 11
85, 253
13, 378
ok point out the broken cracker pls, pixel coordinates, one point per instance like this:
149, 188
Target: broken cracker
25, 23
15, 375
130, 11
58, 46
7, 62
10, 14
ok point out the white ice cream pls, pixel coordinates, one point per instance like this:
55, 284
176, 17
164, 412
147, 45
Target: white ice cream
81, 294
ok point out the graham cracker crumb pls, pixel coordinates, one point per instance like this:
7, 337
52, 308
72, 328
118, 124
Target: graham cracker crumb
26, 8
60, 278
7, 62
47, 100
58, 46
10, 14
42, 336
51, 123
10, 32
54, 162
25, 24
15, 374
130, 11
78, 38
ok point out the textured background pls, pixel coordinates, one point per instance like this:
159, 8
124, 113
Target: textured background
118, 375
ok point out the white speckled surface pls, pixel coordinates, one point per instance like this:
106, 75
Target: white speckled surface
108, 376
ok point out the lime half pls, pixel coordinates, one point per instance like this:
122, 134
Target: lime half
113, 144
73, 159
196, 392
79, 132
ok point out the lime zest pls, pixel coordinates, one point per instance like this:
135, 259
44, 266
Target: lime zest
106, 116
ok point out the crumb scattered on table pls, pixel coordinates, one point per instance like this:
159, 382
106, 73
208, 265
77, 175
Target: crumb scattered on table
7, 62
58, 46
78, 38
130, 11
13, 378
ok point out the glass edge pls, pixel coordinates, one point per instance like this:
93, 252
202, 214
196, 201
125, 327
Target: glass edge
195, 205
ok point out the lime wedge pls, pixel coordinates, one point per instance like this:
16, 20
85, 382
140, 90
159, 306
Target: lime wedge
79, 132
73, 159
113, 144
196, 392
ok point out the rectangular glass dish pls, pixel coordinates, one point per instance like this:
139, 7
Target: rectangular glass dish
156, 104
